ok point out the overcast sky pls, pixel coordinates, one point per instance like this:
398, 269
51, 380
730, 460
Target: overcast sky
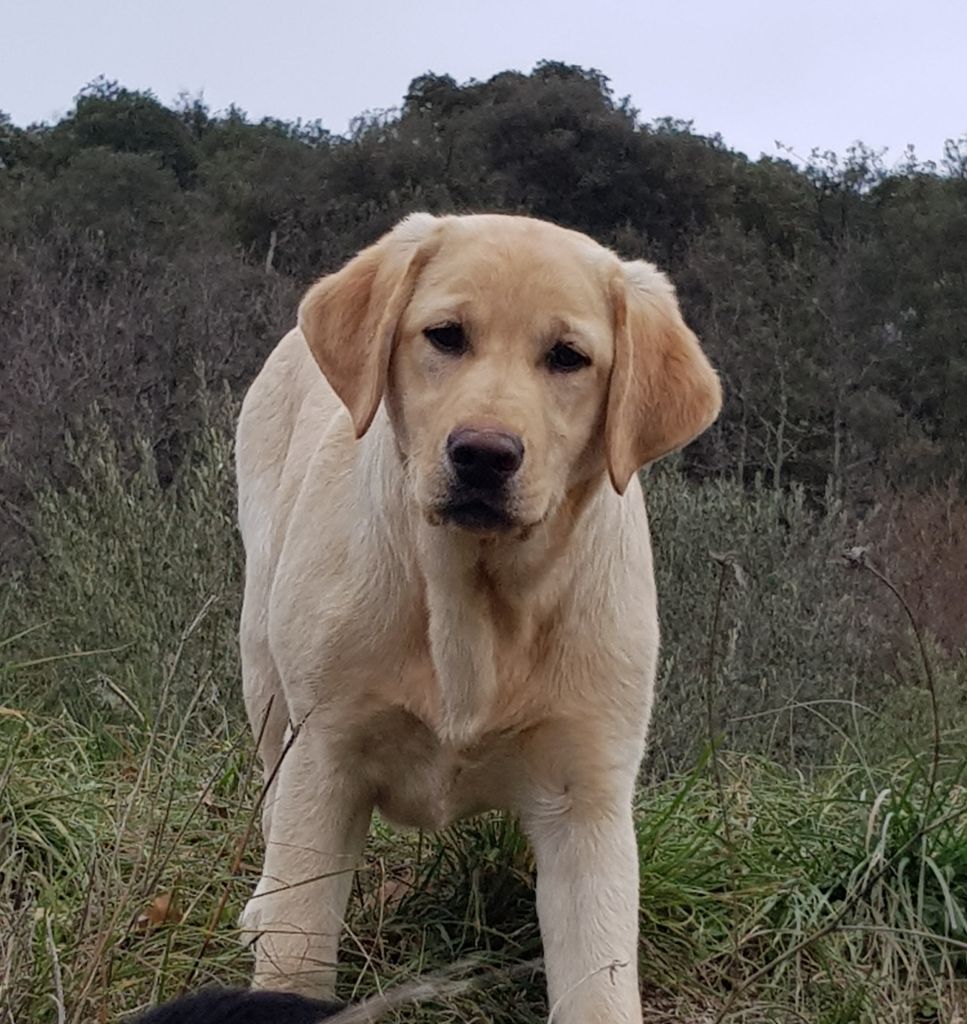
809, 73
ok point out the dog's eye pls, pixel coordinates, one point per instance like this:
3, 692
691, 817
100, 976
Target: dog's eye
564, 358
447, 338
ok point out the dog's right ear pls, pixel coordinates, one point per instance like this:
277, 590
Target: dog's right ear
349, 319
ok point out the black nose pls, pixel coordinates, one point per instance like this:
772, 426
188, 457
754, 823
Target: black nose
484, 458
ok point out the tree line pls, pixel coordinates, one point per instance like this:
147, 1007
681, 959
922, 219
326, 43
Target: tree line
145, 248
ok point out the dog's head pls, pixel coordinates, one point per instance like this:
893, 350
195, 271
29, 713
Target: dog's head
517, 360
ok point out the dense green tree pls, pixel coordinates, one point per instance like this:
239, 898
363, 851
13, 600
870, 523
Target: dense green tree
109, 116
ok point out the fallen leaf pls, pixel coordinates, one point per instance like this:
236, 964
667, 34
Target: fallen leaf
162, 910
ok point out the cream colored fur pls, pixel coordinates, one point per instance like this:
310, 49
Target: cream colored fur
432, 671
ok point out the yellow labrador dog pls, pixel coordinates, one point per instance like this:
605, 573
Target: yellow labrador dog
449, 598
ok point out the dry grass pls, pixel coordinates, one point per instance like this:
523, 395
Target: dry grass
771, 891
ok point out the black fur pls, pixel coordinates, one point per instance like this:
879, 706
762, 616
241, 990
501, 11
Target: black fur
239, 1006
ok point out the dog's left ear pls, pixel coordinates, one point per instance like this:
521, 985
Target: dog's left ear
663, 391
349, 319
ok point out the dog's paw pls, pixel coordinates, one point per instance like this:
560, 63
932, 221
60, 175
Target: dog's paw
250, 919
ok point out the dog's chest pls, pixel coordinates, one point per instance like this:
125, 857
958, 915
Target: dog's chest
419, 777
420, 781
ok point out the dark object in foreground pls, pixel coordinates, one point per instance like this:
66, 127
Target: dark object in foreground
240, 1006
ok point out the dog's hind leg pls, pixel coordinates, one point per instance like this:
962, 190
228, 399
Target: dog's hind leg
268, 717
265, 704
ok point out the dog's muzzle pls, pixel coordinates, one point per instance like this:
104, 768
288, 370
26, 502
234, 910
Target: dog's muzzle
482, 464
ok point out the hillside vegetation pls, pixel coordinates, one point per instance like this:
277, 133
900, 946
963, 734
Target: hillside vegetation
802, 815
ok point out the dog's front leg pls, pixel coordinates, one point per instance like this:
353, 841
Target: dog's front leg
320, 817
587, 903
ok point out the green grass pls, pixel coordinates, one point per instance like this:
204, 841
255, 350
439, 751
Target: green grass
840, 897
814, 869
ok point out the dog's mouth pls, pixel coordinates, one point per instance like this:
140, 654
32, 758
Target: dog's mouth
476, 514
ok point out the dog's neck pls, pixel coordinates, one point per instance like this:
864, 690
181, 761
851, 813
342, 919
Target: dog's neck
486, 601
485, 596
